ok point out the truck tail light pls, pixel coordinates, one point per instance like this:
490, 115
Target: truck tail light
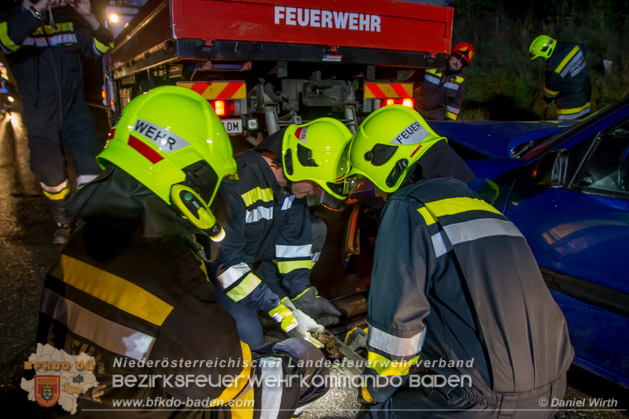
408, 102
223, 107
379, 94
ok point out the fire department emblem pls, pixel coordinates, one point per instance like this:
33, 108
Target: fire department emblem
47, 390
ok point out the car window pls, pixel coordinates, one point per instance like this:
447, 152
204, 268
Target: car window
607, 167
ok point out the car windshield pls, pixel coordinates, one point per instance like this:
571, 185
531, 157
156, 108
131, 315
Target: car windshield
533, 148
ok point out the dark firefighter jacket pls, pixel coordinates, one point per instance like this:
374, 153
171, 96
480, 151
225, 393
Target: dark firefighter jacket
46, 60
129, 286
568, 81
453, 279
262, 223
440, 94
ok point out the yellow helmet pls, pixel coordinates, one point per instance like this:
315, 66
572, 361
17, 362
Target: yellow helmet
542, 46
388, 142
317, 151
170, 140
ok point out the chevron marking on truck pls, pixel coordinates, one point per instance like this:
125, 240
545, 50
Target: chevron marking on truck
217, 89
388, 90
333, 19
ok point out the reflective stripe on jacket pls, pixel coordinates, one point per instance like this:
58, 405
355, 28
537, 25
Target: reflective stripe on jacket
440, 95
568, 81
262, 223
453, 279
123, 298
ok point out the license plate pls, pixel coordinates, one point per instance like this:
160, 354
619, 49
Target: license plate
233, 126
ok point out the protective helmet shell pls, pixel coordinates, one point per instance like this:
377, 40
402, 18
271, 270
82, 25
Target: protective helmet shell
388, 142
542, 46
164, 131
317, 151
465, 50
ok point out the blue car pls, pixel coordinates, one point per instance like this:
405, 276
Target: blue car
566, 187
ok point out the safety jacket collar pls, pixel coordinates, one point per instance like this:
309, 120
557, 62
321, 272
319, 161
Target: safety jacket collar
117, 199
254, 157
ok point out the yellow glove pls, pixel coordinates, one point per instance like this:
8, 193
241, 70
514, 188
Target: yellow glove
285, 317
288, 317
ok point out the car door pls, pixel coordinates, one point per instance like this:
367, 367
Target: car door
579, 234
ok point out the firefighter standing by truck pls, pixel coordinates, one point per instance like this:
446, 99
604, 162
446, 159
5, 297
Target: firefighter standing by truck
567, 77
440, 92
131, 283
43, 42
453, 280
267, 220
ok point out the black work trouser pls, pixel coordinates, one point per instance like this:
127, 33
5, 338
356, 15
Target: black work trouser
468, 403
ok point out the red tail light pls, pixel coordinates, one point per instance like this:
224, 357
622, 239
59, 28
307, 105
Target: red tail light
408, 102
219, 107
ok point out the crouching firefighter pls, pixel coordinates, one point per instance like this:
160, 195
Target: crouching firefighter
131, 283
268, 221
454, 281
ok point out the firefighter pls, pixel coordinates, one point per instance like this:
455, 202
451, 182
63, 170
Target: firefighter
440, 93
567, 77
43, 42
131, 283
267, 220
454, 281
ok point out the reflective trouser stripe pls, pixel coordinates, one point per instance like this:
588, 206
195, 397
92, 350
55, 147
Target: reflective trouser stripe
384, 366
285, 267
105, 333
393, 345
233, 274
58, 192
303, 251
113, 290
271, 378
246, 287
574, 112
451, 115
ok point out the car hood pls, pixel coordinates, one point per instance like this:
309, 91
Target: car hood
496, 138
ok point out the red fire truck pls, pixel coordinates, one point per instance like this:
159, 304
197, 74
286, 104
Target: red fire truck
265, 64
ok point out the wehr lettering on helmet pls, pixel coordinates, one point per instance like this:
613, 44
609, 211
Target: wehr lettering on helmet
166, 140
301, 134
412, 134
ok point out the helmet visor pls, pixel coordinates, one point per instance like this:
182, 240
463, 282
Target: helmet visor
356, 184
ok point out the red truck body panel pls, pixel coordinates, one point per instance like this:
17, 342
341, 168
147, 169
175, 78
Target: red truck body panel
380, 24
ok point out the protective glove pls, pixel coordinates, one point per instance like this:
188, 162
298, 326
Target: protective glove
356, 338
317, 307
290, 320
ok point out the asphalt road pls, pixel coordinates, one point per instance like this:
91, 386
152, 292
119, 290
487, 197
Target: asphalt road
26, 252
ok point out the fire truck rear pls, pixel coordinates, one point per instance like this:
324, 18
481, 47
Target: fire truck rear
265, 64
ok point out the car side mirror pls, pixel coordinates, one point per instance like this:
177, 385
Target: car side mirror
552, 169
